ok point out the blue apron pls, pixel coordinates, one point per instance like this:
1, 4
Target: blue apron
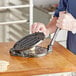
69, 6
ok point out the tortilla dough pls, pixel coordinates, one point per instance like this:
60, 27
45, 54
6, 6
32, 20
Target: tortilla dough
3, 65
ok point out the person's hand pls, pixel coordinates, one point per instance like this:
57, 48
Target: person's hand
66, 21
39, 27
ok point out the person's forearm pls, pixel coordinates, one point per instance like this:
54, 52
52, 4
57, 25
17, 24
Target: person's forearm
52, 25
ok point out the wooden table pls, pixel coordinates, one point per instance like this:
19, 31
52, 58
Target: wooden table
60, 60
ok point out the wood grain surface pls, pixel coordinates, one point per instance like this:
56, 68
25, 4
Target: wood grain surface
57, 61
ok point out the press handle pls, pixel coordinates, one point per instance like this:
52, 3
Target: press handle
55, 35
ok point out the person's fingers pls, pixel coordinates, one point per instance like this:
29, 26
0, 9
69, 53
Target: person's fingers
69, 17
59, 25
62, 13
34, 26
40, 27
60, 19
59, 22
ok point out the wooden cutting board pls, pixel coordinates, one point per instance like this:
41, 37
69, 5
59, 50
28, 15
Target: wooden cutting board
57, 61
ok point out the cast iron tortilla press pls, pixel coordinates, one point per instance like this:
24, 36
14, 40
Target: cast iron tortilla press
25, 47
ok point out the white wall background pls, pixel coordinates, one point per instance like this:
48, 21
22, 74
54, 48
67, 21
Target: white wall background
45, 2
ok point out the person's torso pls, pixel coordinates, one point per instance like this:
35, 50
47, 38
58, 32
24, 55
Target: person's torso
71, 40
71, 7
